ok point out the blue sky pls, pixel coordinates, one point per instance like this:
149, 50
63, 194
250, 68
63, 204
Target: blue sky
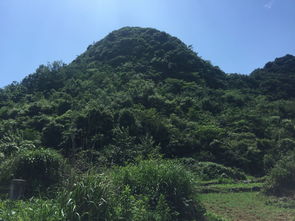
236, 35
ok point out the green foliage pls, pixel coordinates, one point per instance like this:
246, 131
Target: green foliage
229, 186
46, 78
126, 149
213, 217
165, 184
143, 46
34, 209
8, 149
85, 160
245, 206
142, 94
281, 179
140, 82
150, 191
277, 78
210, 171
52, 135
41, 168
87, 199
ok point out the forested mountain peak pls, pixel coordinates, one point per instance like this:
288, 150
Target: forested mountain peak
284, 64
148, 50
144, 46
277, 78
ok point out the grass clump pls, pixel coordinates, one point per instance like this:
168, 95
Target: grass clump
165, 187
87, 199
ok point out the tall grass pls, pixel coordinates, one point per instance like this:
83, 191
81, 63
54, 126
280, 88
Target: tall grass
165, 184
88, 199
32, 210
152, 190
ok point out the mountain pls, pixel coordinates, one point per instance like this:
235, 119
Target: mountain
150, 51
140, 92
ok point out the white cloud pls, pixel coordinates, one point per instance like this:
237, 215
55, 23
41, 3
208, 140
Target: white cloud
269, 4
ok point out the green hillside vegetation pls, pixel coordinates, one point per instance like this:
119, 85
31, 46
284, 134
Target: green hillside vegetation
133, 104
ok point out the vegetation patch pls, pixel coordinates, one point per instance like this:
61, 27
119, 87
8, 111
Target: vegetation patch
34, 209
40, 168
152, 190
230, 187
165, 184
142, 94
210, 170
281, 179
90, 198
246, 206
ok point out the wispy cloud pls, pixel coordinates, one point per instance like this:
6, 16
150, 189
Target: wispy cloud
269, 4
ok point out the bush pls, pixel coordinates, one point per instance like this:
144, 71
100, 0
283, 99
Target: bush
281, 179
41, 168
8, 149
164, 187
210, 170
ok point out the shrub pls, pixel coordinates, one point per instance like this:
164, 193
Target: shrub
6, 171
210, 170
281, 179
41, 168
8, 149
166, 186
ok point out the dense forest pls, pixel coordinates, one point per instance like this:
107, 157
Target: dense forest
141, 96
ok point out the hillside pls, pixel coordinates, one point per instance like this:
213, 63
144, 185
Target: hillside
140, 90
139, 125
